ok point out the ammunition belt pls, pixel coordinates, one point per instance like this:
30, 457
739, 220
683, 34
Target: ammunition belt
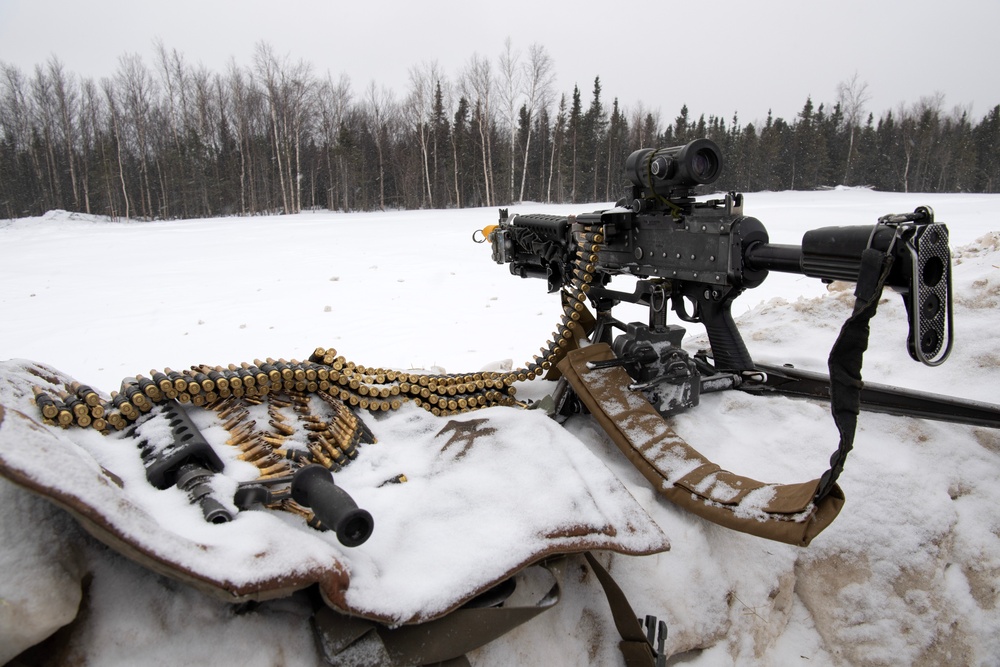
290, 441
375, 389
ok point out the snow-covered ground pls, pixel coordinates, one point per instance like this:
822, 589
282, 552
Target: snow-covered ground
909, 573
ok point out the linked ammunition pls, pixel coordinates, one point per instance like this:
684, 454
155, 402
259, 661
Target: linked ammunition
287, 374
75, 405
329, 450
316, 426
180, 382
235, 419
280, 467
279, 402
255, 452
237, 439
274, 440
296, 455
229, 407
48, 405
86, 394
149, 388
207, 384
332, 441
319, 456
64, 416
282, 429
268, 371
116, 420
121, 403
235, 375
162, 381
248, 374
216, 377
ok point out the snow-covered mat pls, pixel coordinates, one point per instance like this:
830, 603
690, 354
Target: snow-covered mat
487, 494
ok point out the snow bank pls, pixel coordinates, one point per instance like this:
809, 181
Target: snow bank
909, 573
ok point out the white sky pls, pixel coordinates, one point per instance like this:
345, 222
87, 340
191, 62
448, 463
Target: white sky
717, 57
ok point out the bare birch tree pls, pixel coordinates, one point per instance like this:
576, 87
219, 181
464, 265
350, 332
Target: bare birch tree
136, 90
115, 120
334, 100
379, 112
539, 78
91, 112
852, 95
67, 100
43, 111
555, 158
268, 71
477, 86
510, 97
419, 110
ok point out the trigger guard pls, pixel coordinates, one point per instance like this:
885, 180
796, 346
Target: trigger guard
680, 307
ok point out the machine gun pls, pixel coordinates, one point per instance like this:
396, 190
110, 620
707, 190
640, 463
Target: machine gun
697, 257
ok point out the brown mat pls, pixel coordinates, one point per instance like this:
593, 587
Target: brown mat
264, 554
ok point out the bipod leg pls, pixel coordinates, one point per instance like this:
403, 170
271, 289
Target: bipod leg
882, 398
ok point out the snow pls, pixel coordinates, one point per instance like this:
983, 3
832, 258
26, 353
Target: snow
909, 573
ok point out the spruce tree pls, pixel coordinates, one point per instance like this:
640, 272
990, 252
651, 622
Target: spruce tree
987, 141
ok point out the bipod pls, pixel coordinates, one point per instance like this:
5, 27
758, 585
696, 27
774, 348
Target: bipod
789, 381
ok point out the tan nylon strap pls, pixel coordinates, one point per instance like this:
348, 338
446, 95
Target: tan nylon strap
782, 512
635, 647
342, 639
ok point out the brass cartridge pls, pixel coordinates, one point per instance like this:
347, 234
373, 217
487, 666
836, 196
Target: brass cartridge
47, 404
85, 393
180, 382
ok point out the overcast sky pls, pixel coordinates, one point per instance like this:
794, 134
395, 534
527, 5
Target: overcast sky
717, 57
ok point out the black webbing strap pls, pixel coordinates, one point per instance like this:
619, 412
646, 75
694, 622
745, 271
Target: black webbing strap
846, 358
635, 646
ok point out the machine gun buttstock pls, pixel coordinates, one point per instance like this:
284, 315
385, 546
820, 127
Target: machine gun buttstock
929, 300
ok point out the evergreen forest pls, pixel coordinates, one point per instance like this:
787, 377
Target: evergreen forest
165, 139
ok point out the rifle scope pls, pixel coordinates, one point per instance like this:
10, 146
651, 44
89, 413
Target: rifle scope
664, 171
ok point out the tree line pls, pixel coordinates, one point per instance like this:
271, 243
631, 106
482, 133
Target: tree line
170, 140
